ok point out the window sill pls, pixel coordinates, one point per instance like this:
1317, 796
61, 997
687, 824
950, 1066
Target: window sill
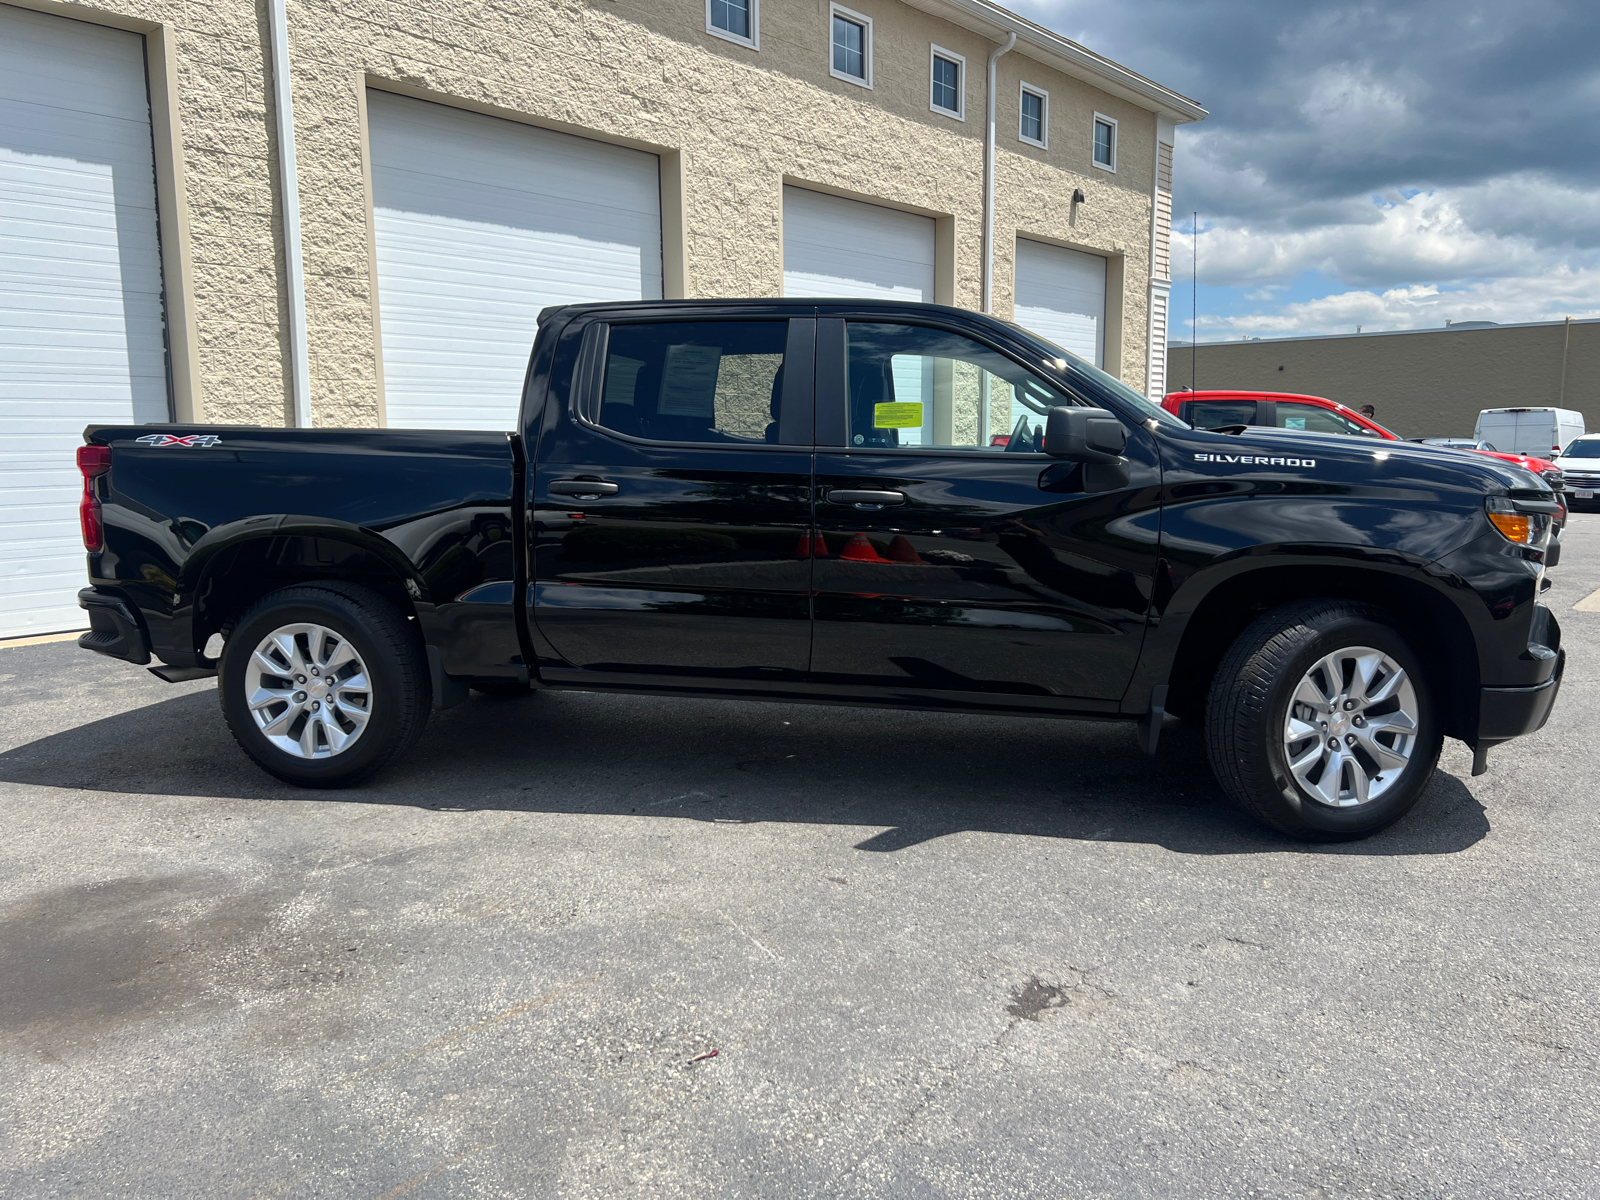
747, 43
855, 79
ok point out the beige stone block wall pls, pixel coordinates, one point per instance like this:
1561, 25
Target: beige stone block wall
1427, 384
732, 126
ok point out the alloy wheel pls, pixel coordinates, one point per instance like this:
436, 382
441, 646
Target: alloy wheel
1351, 726
308, 691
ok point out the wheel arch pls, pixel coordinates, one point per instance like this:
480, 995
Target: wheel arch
1433, 625
231, 569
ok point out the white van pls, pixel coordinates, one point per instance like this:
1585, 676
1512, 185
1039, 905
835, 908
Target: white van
1540, 432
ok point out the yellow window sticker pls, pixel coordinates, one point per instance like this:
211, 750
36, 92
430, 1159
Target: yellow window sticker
907, 415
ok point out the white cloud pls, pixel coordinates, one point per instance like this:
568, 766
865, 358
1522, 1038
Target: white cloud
1425, 236
1353, 111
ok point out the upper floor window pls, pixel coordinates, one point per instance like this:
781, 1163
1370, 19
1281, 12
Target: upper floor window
946, 96
852, 46
1035, 124
1105, 142
735, 20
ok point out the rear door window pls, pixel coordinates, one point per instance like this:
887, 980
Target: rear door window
1214, 414
719, 382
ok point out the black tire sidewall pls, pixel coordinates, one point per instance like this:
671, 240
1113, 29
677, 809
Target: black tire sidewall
384, 726
1311, 814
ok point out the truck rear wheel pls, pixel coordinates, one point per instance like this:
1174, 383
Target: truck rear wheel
323, 684
1321, 723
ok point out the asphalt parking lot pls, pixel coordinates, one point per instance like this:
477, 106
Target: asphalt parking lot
934, 956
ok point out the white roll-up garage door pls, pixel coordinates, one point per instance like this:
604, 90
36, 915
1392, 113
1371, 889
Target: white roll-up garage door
838, 247
1061, 295
480, 223
80, 290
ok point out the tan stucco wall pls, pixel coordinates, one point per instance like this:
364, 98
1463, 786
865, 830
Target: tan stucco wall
732, 126
1427, 384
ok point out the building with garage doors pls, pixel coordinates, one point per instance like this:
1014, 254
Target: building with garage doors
323, 213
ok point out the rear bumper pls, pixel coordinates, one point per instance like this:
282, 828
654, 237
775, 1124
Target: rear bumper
114, 628
1505, 713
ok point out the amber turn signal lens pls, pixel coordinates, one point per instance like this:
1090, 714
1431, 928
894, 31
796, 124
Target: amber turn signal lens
1517, 527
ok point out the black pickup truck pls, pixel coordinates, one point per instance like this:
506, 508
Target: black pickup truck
844, 503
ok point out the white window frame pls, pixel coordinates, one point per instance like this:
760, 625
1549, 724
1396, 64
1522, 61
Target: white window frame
1027, 89
753, 42
1115, 139
959, 113
861, 19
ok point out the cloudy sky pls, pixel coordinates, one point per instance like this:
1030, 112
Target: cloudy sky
1388, 165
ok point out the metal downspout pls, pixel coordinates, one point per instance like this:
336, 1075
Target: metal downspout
289, 184
988, 180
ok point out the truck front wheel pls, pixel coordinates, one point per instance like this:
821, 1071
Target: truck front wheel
323, 684
1321, 723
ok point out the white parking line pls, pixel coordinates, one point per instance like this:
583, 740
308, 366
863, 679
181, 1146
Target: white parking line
1590, 603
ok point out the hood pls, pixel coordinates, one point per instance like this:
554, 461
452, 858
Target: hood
1395, 460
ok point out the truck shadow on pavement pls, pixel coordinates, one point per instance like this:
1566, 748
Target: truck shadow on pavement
914, 776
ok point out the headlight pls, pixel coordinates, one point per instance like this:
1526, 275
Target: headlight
1516, 523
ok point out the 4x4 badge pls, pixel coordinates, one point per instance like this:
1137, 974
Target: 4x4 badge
172, 439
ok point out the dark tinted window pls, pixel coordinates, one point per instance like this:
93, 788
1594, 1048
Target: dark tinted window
1213, 414
694, 381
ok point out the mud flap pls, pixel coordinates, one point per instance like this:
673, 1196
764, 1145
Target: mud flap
1150, 723
447, 692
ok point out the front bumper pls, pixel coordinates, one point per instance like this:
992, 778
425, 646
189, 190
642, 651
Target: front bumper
1506, 713
114, 628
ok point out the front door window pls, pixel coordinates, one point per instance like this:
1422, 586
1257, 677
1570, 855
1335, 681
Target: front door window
912, 385
1314, 419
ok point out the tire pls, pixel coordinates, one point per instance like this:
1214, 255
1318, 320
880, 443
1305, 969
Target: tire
364, 639
1338, 795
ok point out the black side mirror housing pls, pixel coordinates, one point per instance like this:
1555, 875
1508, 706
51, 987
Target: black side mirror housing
1085, 435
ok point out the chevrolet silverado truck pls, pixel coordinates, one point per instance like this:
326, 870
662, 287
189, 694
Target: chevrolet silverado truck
839, 502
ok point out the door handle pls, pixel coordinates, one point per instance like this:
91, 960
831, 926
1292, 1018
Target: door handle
870, 496
583, 487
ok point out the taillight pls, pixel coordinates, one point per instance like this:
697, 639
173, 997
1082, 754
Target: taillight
93, 461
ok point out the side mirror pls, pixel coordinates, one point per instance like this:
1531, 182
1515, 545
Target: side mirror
1086, 435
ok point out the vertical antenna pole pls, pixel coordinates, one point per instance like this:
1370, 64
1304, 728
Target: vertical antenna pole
1194, 299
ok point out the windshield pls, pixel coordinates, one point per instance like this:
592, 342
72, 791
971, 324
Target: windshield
1135, 400
1583, 450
